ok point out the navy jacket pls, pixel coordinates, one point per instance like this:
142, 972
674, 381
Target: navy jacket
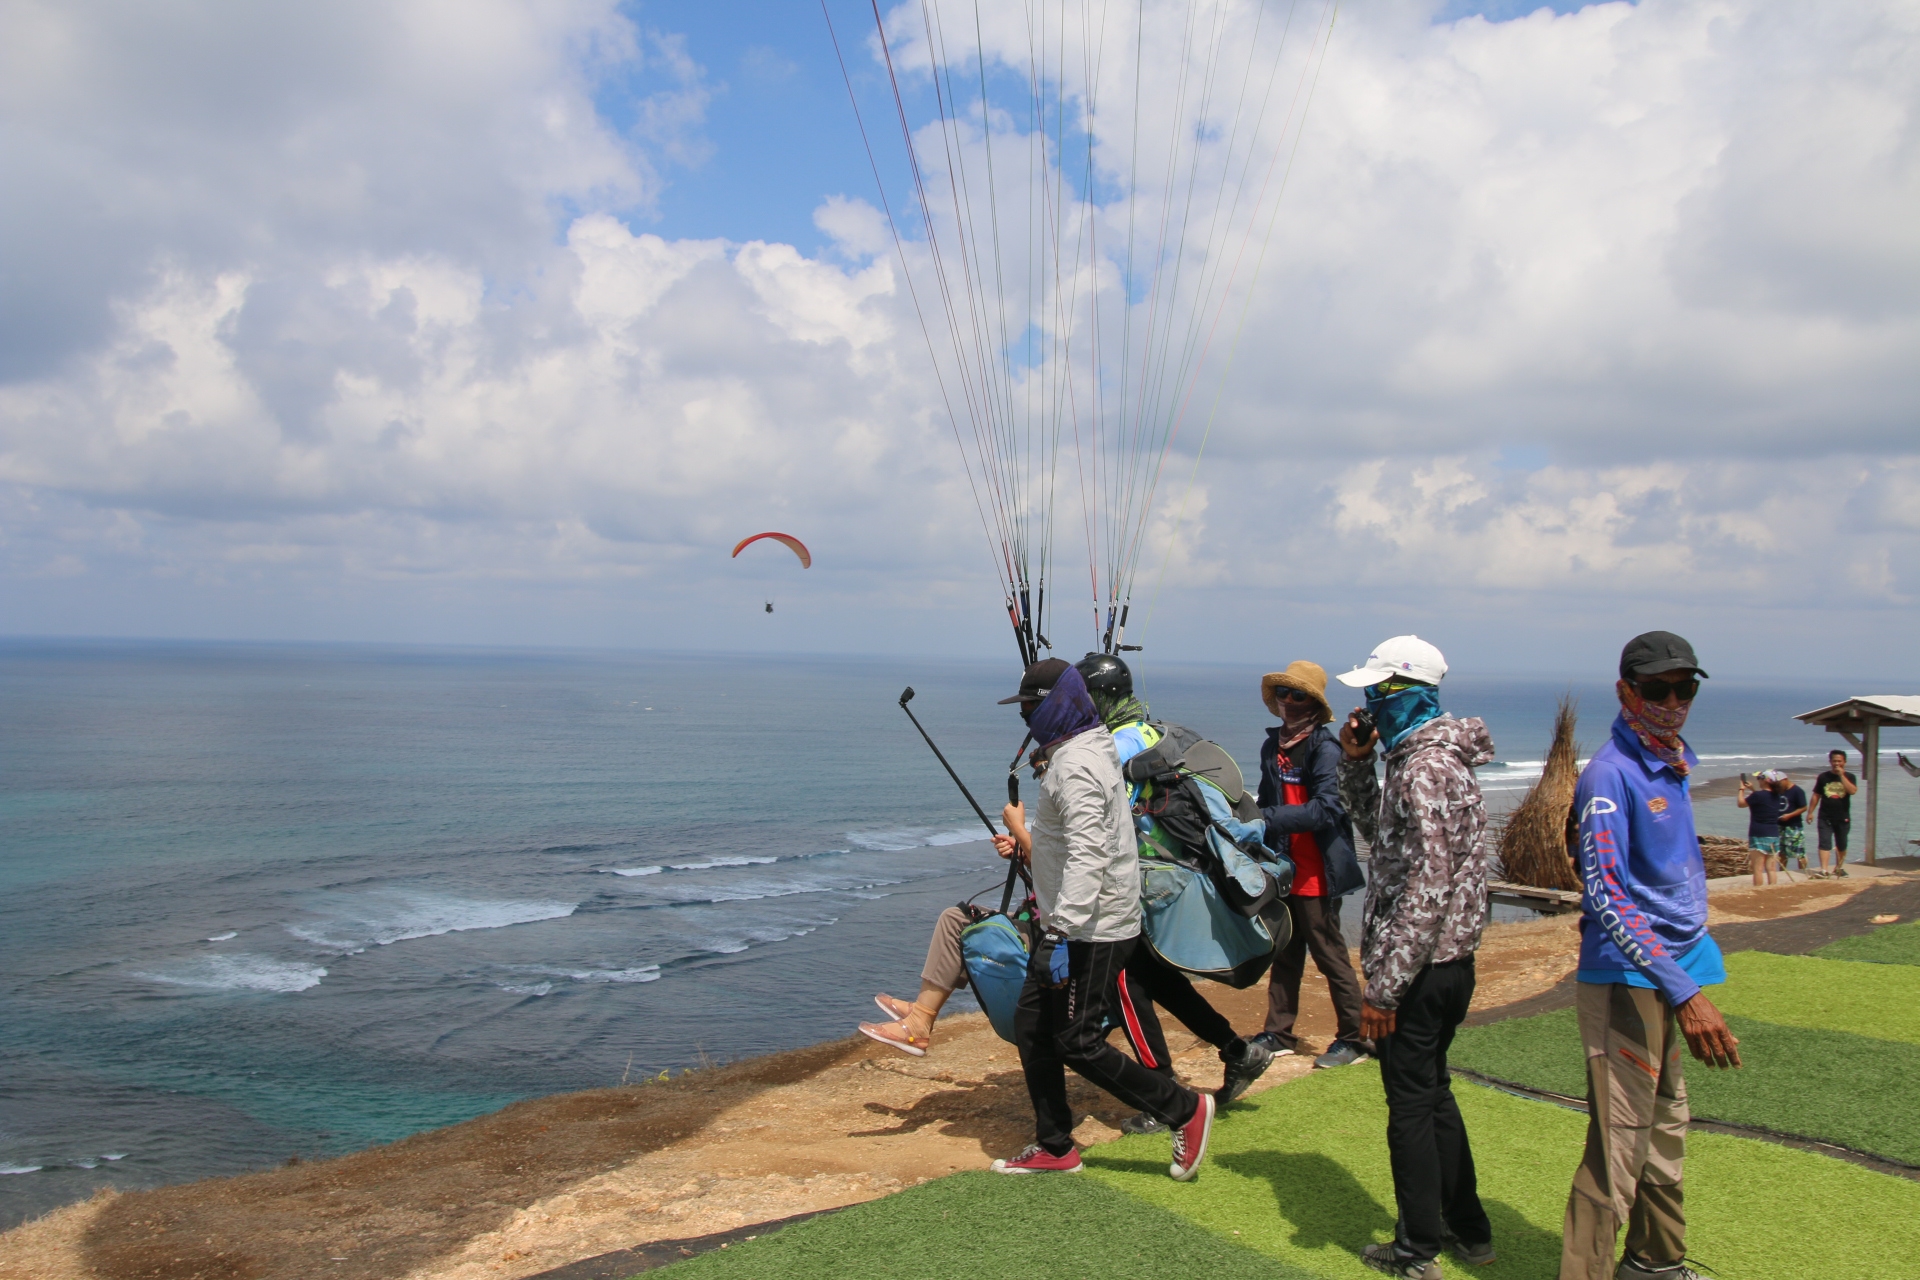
1322, 814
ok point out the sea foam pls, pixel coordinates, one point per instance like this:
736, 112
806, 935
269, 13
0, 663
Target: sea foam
380, 919
239, 973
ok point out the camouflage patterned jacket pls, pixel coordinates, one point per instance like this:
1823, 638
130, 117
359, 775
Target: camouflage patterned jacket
1427, 877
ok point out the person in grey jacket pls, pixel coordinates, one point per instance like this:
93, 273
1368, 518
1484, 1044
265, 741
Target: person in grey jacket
1426, 907
1086, 882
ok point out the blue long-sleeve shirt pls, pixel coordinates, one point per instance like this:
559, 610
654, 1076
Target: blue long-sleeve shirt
1643, 897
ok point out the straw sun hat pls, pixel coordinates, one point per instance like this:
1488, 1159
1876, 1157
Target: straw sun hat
1305, 676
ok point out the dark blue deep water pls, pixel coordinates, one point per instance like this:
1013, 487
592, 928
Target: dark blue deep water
258, 901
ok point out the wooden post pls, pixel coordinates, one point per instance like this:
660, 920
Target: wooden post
1870, 773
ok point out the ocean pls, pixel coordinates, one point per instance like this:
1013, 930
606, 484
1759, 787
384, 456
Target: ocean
259, 901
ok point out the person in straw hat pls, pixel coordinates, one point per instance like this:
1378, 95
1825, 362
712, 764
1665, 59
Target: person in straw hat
1300, 799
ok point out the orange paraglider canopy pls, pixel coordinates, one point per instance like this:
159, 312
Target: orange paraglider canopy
793, 544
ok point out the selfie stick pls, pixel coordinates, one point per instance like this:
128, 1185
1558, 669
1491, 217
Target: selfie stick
907, 697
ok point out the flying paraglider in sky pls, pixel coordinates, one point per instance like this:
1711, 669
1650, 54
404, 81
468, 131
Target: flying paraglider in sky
787, 540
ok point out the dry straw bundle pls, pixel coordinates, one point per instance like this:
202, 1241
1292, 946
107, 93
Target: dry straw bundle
1533, 841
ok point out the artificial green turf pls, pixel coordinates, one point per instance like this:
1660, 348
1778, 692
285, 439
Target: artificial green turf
1829, 1085
1889, 944
1297, 1182
1874, 1000
989, 1226
1303, 1175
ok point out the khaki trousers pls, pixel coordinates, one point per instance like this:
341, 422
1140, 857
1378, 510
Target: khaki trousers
1636, 1134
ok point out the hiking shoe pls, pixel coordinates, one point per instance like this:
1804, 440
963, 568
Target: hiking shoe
1143, 1123
1631, 1268
1037, 1159
1339, 1054
1190, 1141
1271, 1043
1840, 871
1476, 1255
1383, 1257
1254, 1059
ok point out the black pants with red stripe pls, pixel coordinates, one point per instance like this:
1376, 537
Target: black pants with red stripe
1151, 981
1066, 1026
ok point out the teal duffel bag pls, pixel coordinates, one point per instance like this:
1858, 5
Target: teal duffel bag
1188, 925
994, 952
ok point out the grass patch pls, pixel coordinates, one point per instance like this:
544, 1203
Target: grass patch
1800, 1080
1873, 1000
988, 1226
1889, 944
1298, 1182
1303, 1175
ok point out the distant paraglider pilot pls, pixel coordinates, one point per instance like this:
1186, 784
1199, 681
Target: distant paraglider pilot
769, 606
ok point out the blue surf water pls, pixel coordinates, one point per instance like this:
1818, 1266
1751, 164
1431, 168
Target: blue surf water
260, 901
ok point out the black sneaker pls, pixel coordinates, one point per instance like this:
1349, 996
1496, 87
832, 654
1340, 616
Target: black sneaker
1271, 1043
1253, 1061
1143, 1123
1384, 1257
1631, 1268
1477, 1255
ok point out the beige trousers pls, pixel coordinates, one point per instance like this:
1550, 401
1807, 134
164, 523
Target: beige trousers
1636, 1134
944, 968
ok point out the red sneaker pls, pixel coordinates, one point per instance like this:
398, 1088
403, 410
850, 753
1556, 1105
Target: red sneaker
1037, 1159
1190, 1141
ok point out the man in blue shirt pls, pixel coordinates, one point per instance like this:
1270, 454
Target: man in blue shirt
1645, 954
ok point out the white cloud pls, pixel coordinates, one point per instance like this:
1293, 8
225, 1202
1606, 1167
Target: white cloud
305, 299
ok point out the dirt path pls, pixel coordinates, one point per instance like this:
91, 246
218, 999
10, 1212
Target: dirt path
552, 1180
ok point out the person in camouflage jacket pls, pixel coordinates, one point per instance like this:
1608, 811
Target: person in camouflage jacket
1425, 909
1427, 875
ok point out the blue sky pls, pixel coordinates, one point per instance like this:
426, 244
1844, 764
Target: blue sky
778, 95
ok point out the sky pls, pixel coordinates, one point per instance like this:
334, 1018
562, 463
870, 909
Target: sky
498, 324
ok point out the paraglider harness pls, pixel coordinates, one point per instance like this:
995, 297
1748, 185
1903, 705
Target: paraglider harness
995, 945
1212, 898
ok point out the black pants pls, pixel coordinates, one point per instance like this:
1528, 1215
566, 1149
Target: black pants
1065, 1026
1316, 928
1148, 981
1433, 1178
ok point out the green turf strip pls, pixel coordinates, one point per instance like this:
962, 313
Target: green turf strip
1303, 1175
990, 1226
1874, 1000
1828, 1085
1889, 944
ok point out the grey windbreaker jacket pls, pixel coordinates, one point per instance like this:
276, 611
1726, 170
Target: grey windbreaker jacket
1427, 877
1086, 866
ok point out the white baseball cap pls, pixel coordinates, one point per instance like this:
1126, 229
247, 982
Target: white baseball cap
1408, 657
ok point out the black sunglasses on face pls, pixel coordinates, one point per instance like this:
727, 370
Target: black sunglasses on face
1657, 690
1293, 695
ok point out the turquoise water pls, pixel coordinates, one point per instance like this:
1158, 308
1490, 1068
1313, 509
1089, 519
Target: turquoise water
258, 901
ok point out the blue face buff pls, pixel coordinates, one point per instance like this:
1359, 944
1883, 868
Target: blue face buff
1398, 714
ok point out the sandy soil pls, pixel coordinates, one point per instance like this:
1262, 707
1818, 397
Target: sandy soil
552, 1180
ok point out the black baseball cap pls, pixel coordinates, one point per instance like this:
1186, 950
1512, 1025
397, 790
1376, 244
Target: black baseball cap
1039, 680
1656, 653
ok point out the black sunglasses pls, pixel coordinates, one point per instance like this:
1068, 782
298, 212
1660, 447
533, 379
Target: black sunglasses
1657, 690
1293, 695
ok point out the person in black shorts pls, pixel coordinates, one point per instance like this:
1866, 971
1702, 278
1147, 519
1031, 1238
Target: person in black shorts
1834, 790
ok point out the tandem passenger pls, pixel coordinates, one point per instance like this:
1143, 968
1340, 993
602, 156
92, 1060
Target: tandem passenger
1645, 954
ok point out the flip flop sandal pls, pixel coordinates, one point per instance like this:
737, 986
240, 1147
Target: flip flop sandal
895, 1035
893, 1008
